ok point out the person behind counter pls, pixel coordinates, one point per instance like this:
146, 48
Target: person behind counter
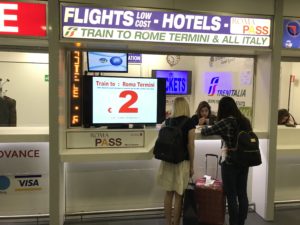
203, 115
234, 177
174, 178
285, 118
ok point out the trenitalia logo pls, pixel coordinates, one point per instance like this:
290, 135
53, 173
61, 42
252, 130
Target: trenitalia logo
70, 32
224, 89
213, 84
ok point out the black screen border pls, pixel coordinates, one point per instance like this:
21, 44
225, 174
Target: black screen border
106, 71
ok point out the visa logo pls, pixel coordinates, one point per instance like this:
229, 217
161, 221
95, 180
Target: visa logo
29, 182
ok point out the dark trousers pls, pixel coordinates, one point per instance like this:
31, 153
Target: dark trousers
235, 187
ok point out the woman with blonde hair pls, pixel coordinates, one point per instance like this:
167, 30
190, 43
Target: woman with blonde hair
174, 178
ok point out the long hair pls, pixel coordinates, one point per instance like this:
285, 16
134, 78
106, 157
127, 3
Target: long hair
227, 108
201, 105
281, 114
285, 113
180, 107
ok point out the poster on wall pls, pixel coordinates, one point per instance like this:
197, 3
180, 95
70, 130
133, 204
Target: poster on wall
227, 76
291, 33
24, 174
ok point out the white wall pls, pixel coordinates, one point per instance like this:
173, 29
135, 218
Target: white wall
239, 71
291, 8
261, 96
27, 85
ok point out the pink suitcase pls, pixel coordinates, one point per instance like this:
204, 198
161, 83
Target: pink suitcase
210, 199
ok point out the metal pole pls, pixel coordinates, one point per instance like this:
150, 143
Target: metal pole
290, 83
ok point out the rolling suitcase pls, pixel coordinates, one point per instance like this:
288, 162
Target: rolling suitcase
210, 199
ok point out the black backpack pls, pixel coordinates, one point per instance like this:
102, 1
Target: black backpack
246, 152
169, 145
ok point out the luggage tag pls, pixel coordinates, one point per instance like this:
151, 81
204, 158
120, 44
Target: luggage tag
208, 180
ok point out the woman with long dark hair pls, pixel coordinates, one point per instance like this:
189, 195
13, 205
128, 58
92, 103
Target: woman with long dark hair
203, 115
229, 121
285, 118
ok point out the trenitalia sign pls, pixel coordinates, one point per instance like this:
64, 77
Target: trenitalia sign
163, 26
23, 19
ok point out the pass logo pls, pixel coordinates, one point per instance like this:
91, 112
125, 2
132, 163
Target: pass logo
108, 142
250, 26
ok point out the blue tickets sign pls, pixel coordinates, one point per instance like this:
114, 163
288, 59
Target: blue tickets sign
163, 26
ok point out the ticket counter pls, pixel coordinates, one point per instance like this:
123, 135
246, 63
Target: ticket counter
170, 39
123, 180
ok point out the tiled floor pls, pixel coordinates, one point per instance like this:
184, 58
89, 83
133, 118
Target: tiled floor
283, 216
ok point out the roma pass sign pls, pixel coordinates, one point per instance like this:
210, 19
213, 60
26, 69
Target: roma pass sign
105, 139
23, 19
160, 26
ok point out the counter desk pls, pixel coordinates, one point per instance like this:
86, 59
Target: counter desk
132, 167
24, 134
288, 164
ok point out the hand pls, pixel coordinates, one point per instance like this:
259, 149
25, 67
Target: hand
202, 121
191, 171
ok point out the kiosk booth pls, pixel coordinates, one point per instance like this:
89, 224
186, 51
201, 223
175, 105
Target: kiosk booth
89, 175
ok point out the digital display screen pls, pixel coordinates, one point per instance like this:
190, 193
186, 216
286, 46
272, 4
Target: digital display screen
123, 100
178, 82
107, 62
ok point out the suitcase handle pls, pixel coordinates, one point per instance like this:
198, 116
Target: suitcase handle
217, 160
214, 155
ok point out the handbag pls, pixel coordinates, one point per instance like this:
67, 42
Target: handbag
189, 215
